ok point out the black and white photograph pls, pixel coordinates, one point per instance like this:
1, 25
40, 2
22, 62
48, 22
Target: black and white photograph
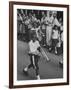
39, 44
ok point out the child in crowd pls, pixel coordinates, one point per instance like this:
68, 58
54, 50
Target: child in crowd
34, 53
55, 39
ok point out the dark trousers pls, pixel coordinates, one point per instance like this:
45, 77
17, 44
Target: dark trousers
43, 37
54, 43
35, 65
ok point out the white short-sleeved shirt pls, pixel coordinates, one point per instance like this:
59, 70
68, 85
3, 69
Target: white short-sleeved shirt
33, 46
55, 34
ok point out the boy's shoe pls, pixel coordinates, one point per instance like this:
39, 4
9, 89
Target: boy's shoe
50, 49
61, 64
38, 77
25, 72
56, 52
48, 60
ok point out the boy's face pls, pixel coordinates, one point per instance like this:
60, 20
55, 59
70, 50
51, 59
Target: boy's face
34, 38
56, 28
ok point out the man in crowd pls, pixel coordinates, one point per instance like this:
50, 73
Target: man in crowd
43, 29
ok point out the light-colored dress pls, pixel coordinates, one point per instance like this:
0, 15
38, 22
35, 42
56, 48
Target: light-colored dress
49, 21
56, 22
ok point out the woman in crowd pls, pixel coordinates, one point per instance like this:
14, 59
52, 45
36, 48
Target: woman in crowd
55, 20
49, 20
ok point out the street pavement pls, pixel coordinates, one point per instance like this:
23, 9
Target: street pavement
48, 70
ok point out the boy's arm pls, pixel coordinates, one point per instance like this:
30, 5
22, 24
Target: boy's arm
39, 49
